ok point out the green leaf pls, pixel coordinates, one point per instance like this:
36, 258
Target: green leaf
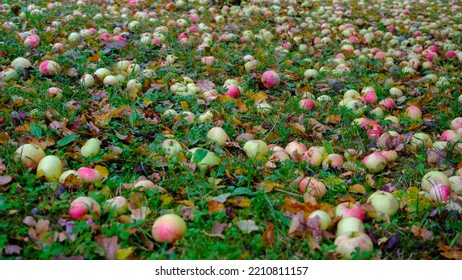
199, 155
36, 130
242, 191
67, 139
326, 144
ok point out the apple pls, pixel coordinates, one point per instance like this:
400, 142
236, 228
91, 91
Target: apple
204, 158
70, 178
349, 243
307, 104
456, 123
420, 140
332, 160
295, 149
270, 79
312, 186
233, 91
375, 162
168, 228
49, 68
455, 183
414, 113
257, 149
434, 178
171, 147
30, 155
84, 207
117, 205
310, 73
315, 155
110, 80
349, 209
439, 193
87, 80
89, 175
384, 202
21, 63
390, 155
32, 41
218, 135
349, 224
50, 167
102, 73
91, 147
324, 218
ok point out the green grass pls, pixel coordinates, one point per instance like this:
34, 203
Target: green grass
134, 128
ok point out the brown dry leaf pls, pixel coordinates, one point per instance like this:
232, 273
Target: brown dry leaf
4, 137
109, 245
334, 119
213, 235
240, 201
268, 186
292, 205
29, 221
242, 107
453, 253
5, 180
294, 225
268, 236
218, 228
215, 206
247, 226
370, 180
357, 188
140, 213
42, 226
421, 232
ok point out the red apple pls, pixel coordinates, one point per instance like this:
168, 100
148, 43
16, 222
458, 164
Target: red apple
168, 228
349, 209
84, 207
375, 162
233, 91
270, 79
439, 193
313, 186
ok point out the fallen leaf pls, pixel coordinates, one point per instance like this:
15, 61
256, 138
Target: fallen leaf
4, 138
140, 213
241, 201
5, 180
123, 254
215, 206
13, 250
109, 245
452, 253
357, 188
247, 226
294, 225
102, 170
268, 236
218, 228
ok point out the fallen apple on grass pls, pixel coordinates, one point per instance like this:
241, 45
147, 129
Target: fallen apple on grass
384, 202
30, 155
168, 228
50, 167
353, 242
85, 208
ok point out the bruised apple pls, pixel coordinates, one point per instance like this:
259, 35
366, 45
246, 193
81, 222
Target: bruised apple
168, 228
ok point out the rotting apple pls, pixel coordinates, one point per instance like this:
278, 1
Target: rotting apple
168, 228
171, 147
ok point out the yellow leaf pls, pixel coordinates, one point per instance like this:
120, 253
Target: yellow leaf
357, 188
123, 254
259, 96
102, 170
184, 105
